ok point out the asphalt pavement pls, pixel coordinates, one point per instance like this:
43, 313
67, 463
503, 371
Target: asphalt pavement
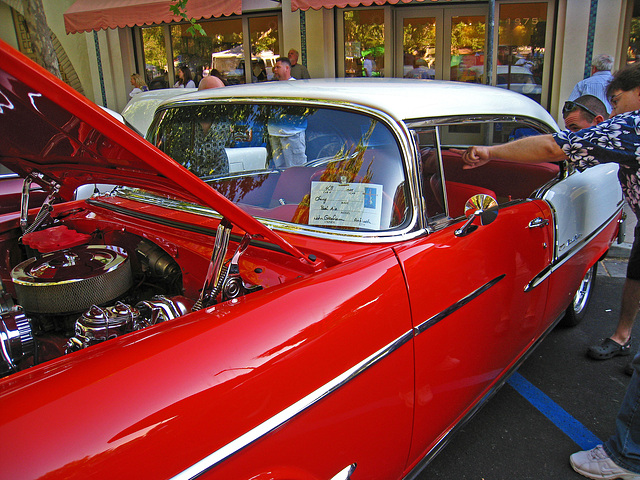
558, 402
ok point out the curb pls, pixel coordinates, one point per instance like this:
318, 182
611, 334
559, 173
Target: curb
619, 250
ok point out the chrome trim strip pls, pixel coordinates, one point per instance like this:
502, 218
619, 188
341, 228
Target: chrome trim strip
447, 437
290, 412
345, 473
459, 304
485, 118
311, 399
544, 274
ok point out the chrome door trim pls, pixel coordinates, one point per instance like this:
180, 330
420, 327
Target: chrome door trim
311, 399
459, 304
290, 412
579, 243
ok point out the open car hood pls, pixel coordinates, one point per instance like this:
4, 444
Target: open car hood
50, 130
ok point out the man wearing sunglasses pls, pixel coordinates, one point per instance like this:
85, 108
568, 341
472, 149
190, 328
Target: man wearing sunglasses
614, 140
583, 112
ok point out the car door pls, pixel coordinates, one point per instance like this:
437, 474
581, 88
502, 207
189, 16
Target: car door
472, 316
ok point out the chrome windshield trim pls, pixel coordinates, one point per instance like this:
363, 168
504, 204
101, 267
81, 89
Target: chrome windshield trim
544, 274
399, 131
290, 412
385, 236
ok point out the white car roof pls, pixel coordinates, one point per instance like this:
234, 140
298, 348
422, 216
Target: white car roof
402, 99
142, 106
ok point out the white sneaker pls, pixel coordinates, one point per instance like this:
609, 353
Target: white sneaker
596, 464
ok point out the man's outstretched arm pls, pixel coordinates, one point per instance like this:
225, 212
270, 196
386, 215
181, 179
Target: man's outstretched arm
538, 149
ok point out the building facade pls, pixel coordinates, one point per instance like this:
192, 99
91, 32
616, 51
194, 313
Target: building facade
540, 48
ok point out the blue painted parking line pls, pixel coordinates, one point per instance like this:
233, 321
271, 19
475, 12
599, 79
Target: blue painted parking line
554, 412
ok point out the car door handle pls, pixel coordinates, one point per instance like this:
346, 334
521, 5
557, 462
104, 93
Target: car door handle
538, 222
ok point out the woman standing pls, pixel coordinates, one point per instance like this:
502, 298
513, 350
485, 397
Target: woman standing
138, 84
184, 78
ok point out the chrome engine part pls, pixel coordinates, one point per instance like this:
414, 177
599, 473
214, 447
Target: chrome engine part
16, 340
100, 324
160, 309
72, 280
77, 297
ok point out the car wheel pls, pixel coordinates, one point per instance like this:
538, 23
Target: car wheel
578, 307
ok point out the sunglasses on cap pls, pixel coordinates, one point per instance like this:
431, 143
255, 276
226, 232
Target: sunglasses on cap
570, 106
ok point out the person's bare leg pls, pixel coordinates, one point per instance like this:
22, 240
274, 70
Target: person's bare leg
620, 342
628, 311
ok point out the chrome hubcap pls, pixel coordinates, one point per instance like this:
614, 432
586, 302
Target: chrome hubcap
582, 295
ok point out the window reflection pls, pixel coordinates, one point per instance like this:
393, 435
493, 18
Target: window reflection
419, 46
364, 43
155, 56
265, 47
521, 48
221, 50
467, 49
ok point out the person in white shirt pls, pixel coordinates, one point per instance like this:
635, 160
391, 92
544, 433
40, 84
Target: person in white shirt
282, 69
184, 78
138, 84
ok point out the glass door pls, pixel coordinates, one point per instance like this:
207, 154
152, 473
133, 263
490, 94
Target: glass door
465, 43
419, 40
441, 43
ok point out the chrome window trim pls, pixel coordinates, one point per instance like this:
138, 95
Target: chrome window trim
398, 129
311, 399
462, 119
414, 125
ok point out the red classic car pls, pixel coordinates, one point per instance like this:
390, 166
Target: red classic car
293, 280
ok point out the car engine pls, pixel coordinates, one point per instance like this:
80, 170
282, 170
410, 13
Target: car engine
71, 294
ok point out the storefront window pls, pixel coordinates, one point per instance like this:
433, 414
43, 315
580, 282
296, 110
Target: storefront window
364, 43
633, 50
265, 48
521, 48
155, 57
419, 47
220, 49
467, 49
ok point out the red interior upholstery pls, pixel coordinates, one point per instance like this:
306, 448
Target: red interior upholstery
509, 180
294, 183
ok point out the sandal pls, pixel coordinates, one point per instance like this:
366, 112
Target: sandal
609, 349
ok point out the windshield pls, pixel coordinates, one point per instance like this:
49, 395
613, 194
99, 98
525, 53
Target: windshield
322, 167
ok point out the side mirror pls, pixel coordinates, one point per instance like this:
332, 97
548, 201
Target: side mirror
481, 205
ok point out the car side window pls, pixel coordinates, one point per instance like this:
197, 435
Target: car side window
503, 180
430, 168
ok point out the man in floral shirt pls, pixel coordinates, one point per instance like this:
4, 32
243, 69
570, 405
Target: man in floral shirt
615, 140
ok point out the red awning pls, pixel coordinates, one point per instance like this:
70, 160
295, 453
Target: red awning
318, 4
88, 15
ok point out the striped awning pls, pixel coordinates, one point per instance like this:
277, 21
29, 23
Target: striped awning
88, 15
318, 4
